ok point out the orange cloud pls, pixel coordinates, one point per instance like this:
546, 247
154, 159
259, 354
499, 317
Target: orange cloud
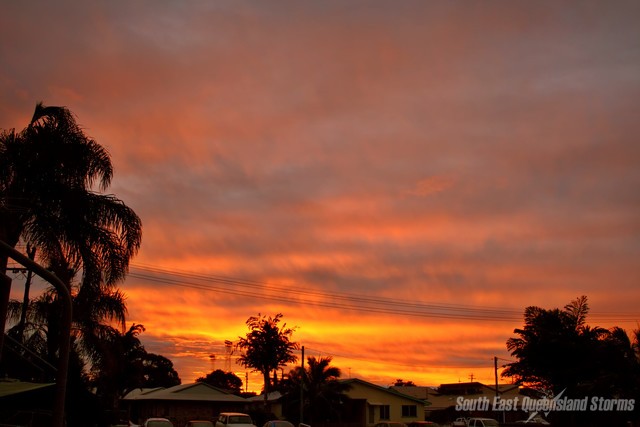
471, 156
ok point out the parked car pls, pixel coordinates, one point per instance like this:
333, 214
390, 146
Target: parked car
482, 422
234, 419
278, 423
199, 423
157, 422
460, 422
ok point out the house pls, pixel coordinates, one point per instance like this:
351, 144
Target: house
419, 392
443, 400
274, 403
363, 405
182, 403
368, 404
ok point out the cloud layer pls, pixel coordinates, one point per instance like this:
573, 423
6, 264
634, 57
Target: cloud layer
477, 154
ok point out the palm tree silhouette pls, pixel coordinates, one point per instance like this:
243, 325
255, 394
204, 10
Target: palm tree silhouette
48, 172
323, 389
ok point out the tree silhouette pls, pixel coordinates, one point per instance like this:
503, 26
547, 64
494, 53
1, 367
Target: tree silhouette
323, 390
47, 176
267, 347
123, 364
557, 351
224, 380
401, 383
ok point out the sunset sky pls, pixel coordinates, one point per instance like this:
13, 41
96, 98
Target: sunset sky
400, 179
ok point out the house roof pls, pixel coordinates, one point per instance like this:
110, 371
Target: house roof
10, 388
271, 397
199, 391
448, 393
419, 392
472, 388
383, 389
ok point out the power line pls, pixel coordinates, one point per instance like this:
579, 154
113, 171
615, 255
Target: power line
337, 300
396, 364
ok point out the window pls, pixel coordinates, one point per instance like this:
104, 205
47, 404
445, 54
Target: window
384, 412
409, 411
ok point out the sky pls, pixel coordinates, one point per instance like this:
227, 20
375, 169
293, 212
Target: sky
398, 179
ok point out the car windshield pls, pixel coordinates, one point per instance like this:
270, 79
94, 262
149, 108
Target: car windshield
239, 419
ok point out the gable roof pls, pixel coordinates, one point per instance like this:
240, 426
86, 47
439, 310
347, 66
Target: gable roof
382, 389
10, 388
199, 391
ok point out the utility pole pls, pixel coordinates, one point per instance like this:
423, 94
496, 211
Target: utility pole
495, 370
302, 389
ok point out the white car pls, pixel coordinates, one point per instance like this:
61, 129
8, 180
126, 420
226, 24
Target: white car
158, 422
234, 419
278, 423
